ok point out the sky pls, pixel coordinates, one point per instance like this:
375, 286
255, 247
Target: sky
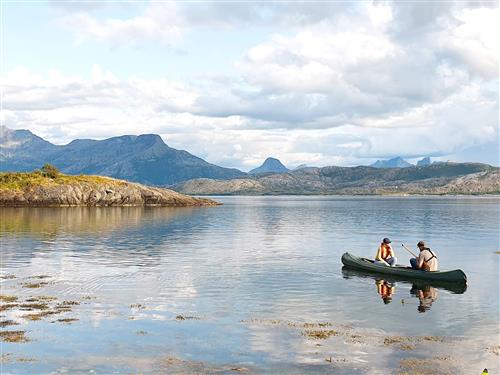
309, 82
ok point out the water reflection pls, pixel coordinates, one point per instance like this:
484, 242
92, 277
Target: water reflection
48, 222
254, 259
386, 290
455, 288
426, 295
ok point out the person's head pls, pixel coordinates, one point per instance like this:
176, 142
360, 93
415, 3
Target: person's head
387, 300
421, 245
386, 241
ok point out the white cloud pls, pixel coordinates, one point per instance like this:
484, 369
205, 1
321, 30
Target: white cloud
159, 22
332, 87
475, 40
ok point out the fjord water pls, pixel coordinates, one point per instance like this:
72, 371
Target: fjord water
226, 268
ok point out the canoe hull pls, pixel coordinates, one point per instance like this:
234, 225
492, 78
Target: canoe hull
363, 264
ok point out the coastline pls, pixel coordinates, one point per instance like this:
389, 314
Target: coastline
34, 189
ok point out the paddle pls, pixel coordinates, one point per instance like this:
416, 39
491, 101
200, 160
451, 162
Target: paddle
402, 244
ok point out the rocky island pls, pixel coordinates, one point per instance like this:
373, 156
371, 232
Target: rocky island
48, 187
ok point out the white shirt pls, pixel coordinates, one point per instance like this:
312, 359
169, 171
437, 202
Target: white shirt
426, 256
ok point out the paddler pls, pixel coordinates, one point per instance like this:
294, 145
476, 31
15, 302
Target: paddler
385, 254
427, 259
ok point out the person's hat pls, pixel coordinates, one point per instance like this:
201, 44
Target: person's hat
386, 240
421, 244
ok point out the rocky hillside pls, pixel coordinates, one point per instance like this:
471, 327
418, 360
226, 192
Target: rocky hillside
144, 158
443, 178
35, 189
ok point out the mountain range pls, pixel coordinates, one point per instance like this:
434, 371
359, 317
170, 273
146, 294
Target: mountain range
437, 178
147, 159
396, 162
144, 158
399, 162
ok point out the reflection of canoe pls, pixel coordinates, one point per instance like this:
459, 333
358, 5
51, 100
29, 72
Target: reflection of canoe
453, 287
364, 264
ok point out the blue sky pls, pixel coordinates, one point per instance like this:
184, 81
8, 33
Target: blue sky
317, 83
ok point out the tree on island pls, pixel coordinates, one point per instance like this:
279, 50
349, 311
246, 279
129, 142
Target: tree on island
48, 170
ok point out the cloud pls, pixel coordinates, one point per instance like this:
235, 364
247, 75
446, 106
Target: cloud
339, 84
159, 22
171, 21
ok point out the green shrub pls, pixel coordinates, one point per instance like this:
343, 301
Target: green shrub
48, 170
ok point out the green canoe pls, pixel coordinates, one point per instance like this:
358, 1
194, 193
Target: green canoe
365, 264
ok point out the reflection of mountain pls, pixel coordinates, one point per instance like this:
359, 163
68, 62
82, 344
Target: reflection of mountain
114, 235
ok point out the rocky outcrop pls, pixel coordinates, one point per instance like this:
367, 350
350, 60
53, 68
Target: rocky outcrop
86, 192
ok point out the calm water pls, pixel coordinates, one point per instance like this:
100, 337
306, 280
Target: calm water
251, 273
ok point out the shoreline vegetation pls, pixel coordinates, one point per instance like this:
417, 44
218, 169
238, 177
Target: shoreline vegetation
48, 187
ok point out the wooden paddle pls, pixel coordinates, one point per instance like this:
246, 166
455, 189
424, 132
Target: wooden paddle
402, 244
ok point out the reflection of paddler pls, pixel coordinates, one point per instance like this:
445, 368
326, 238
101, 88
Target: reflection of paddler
386, 290
426, 296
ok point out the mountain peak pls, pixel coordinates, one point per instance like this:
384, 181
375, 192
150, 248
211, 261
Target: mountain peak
142, 158
396, 162
300, 166
270, 165
7, 132
425, 161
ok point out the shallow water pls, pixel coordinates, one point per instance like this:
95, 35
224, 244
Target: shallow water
248, 275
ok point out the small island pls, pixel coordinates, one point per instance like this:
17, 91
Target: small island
48, 187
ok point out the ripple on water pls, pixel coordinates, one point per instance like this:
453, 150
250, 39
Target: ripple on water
268, 258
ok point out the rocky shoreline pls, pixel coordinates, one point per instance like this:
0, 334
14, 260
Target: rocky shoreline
88, 191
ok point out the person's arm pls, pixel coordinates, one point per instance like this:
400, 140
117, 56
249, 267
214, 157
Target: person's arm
391, 252
420, 260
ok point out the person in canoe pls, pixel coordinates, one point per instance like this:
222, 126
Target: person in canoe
427, 259
385, 254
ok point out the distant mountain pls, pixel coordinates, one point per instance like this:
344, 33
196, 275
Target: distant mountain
424, 162
144, 158
20, 150
442, 178
270, 165
301, 166
396, 162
